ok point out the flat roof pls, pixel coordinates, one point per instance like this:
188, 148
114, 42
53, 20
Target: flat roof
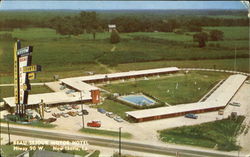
219, 98
79, 85
78, 82
51, 98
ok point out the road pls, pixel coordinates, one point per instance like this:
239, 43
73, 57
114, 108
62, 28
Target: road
114, 143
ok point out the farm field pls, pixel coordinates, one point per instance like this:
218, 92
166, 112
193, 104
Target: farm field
73, 56
177, 89
220, 134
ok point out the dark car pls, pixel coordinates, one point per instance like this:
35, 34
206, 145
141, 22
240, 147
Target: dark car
191, 115
101, 110
85, 112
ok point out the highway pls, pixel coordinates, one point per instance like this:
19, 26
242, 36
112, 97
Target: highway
163, 150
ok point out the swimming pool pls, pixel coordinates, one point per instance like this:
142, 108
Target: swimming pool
140, 100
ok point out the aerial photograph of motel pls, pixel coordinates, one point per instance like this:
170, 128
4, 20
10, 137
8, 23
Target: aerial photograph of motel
124, 78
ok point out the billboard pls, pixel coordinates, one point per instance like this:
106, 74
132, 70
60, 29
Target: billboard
23, 79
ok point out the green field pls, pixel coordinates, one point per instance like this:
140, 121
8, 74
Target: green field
9, 91
8, 151
176, 89
33, 124
105, 132
242, 64
73, 56
221, 134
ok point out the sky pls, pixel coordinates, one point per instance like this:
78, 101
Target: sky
110, 5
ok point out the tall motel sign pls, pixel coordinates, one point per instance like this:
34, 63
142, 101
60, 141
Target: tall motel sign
23, 73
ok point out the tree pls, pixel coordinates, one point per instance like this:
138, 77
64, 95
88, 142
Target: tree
216, 35
114, 38
201, 38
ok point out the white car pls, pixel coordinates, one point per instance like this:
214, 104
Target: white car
68, 107
79, 113
118, 119
65, 115
234, 104
46, 109
61, 108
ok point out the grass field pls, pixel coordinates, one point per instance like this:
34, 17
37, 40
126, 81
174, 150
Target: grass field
176, 89
33, 124
9, 91
221, 134
105, 132
74, 56
242, 64
95, 154
7, 151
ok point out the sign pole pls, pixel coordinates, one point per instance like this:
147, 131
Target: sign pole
16, 77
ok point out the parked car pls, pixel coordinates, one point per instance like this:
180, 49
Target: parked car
46, 109
62, 87
65, 115
101, 110
67, 107
110, 114
118, 119
70, 91
191, 115
85, 112
75, 107
79, 113
221, 112
61, 108
234, 104
57, 115
94, 123
72, 113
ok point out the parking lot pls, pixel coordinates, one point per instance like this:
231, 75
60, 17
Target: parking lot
74, 123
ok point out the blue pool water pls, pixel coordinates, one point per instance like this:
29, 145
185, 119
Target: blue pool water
140, 100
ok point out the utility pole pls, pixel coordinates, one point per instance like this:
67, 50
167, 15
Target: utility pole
247, 5
120, 128
235, 58
82, 110
8, 123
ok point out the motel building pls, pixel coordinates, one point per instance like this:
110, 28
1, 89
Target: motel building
84, 92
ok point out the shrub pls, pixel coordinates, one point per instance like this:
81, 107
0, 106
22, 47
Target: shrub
114, 38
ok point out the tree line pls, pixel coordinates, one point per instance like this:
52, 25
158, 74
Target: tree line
90, 22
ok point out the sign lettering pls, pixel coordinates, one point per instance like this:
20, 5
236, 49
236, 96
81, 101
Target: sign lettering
25, 50
32, 68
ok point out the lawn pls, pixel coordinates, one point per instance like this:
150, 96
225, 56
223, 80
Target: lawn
95, 154
7, 151
242, 64
105, 132
221, 133
38, 124
9, 91
116, 107
176, 89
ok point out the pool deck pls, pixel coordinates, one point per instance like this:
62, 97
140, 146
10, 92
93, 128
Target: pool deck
122, 98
